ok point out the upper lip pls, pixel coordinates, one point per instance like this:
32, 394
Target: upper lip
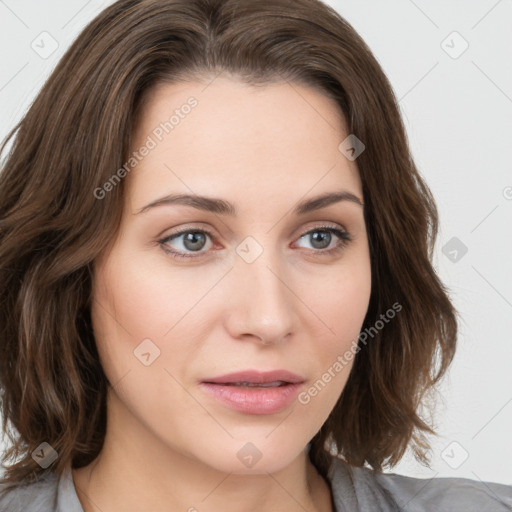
255, 376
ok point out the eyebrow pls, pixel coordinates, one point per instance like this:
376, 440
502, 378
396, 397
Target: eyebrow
222, 207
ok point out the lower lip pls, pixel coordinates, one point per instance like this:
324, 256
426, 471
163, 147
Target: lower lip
254, 400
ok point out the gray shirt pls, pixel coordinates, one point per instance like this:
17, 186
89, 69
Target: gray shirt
354, 490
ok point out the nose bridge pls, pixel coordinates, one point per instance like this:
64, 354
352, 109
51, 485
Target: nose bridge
263, 302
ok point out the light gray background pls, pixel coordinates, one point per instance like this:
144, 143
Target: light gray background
458, 113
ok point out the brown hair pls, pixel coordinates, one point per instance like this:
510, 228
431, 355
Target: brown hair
77, 133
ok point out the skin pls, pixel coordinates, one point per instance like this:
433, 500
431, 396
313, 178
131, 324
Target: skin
169, 445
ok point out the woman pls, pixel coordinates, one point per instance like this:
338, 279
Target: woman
216, 280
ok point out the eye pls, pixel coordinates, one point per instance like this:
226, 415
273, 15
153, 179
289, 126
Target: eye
322, 237
192, 241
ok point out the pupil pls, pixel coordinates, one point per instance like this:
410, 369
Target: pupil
194, 240
325, 236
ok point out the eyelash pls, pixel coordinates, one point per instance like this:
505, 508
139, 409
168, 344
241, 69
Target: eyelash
343, 236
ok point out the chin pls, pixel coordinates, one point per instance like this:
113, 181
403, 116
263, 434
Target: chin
248, 454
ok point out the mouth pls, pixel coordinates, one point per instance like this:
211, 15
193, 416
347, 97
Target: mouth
272, 378
252, 384
254, 392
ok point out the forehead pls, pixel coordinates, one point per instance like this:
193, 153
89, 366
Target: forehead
239, 140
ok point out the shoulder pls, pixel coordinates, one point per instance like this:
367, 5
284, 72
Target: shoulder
357, 489
38, 496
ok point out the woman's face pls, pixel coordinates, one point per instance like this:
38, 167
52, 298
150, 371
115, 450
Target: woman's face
254, 282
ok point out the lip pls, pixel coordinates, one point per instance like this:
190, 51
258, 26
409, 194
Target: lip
255, 376
252, 398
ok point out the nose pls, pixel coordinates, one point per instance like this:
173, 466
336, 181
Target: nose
262, 302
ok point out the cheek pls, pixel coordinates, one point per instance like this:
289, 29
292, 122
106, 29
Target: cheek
133, 309
128, 310
344, 301
136, 301
136, 297
343, 304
